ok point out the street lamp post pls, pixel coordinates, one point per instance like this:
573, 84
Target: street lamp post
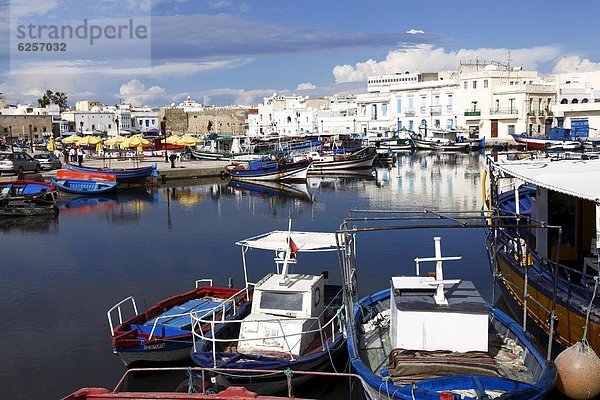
163, 128
10, 138
81, 128
31, 137
117, 125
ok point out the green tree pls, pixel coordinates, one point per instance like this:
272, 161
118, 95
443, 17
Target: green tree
58, 98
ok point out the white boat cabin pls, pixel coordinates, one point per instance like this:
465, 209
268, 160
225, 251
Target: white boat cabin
423, 307
287, 308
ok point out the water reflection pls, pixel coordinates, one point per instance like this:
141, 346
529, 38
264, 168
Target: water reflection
278, 191
38, 224
440, 181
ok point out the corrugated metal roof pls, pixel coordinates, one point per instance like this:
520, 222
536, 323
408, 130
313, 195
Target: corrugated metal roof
575, 177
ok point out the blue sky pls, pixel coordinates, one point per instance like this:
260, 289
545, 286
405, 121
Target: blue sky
228, 51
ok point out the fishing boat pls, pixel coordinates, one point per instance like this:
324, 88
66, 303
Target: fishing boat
558, 138
164, 331
87, 187
122, 175
27, 198
322, 163
270, 170
433, 143
86, 176
429, 337
294, 323
386, 157
548, 278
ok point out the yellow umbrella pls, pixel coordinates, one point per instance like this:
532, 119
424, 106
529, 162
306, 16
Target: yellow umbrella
99, 146
172, 139
72, 139
51, 146
188, 140
134, 141
89, 141
115, 140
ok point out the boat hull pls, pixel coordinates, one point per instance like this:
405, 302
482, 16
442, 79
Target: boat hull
441, 146
86, 187
271, 384
121, 175
28, 211
319, 167
287, 172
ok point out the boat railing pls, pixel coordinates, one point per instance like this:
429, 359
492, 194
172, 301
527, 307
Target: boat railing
117, 307
201, 335
204, 375
220, 310
552, 273
209, 281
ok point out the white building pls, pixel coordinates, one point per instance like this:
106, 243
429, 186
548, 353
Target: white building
285, 116
91, 121
144, 119
578, 102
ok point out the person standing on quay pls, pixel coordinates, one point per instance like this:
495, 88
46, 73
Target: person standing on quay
80, 154
66, 154
72, 154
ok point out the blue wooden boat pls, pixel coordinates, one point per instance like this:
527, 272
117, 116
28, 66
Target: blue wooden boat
79, 186
27, 198
270, 170
123, 175
428, 337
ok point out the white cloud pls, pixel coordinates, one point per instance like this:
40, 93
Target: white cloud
21, 8
134, 92
306, 86
429, 58
575, 64
414, 31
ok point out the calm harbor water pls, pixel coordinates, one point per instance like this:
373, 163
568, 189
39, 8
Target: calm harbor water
60, 277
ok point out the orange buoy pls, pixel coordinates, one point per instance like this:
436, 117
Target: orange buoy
578, 372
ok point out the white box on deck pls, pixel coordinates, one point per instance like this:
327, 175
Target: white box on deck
418, 323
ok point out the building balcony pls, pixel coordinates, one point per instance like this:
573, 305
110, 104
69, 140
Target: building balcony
409, 113
504, 111
472, 113
423, 109
449, 108
436, 109
531, 113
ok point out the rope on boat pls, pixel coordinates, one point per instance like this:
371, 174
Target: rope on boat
589, 310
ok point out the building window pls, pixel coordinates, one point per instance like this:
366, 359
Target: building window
466, 83
485, 83
474, 84
399, 105
410, 104
437, 123
449, 123
384, 109
511, 129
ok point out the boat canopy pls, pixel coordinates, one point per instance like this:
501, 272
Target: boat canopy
574, 177
304, 241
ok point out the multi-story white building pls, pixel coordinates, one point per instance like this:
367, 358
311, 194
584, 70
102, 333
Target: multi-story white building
91, 121
144, 119
285, 116
578, 102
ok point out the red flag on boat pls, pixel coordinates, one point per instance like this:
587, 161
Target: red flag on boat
293, 247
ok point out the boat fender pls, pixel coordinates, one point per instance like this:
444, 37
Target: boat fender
578, 369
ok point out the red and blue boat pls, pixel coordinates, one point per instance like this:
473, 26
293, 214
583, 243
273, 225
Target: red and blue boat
82, 183
163, 332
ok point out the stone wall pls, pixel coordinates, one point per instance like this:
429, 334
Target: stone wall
20, 125
217, 120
